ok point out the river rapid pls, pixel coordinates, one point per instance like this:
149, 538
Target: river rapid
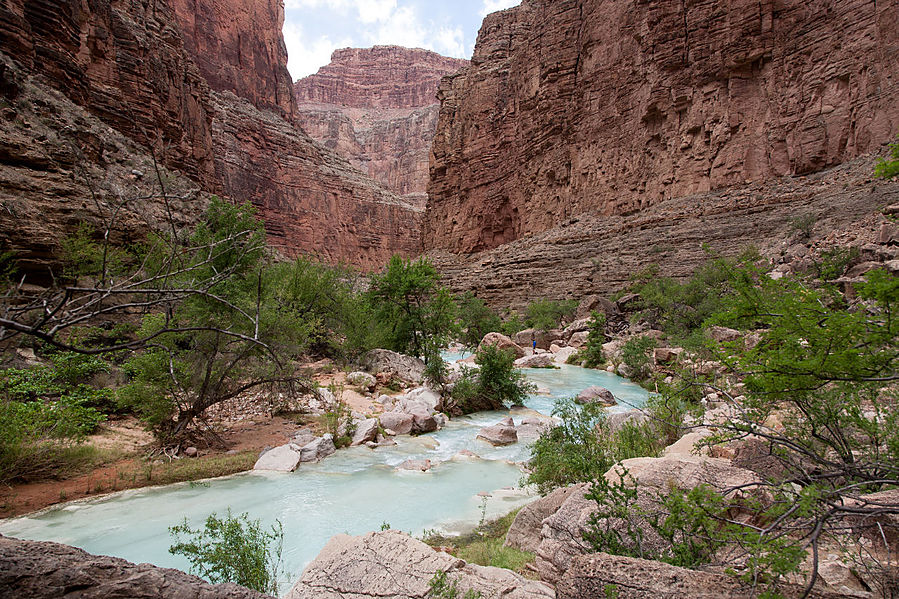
353, 491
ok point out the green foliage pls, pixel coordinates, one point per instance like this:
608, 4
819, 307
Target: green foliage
545, 314
443, 587
512, 324
833, 263
476, 319
494, 385
636, 354
492, 552
570, 452
804, 224
680, 308
232, 549
889, 167
338, 421
418, 316
84, 255
8, 268
592, 355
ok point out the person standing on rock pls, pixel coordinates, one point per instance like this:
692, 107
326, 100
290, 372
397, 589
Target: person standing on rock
534, 341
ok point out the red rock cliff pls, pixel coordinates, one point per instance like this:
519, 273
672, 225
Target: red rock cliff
90, 87
239, 48
611, 106
377, 107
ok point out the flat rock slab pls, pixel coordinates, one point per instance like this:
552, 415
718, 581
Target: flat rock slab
280, 459
390, 564
499, 434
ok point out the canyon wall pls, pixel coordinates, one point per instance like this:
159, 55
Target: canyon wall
93, 90
377, 107
238, 47
611, 107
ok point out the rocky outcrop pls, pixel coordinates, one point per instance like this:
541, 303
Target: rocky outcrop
392, 564
599, 574
38, 570
589, 106
395, 364
238, 47
312, 202
524, 534
377, 107
594, 254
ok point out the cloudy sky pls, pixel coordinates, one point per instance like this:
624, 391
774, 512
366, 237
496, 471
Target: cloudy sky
315, 28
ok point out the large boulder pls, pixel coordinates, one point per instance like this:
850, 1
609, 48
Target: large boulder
398, 422
597, 395
502, 433
502, 342
633, 578
366, 430
580, 325
362, 379
723, 334
617, 420
392, 564
536, 361
423, 422
285, 458
544, 339
40, 570
578, 340
524, 534
596, 303
318, 449
561, 356
427, 396
562, 534
399, 365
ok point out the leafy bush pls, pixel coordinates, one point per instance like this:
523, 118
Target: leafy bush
443, 587
476, 319
232, 549
338, 421
494, 385
571, 451
889, 167
547, 314
635, 354
591, 355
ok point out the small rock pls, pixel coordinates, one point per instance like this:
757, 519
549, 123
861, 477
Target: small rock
362, 379
422, 465
191, 452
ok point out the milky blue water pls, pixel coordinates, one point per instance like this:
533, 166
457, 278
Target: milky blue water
353, 491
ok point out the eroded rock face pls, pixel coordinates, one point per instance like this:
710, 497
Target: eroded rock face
238, 47
133, 67
377, 107
311, 201
595, 254
39, 570
611, 107
392, 564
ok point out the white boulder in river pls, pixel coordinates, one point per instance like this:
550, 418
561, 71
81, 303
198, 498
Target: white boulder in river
285, 458
392, 564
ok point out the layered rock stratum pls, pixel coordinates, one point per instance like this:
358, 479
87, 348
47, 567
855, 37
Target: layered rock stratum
575, 107
377, 107
97, 95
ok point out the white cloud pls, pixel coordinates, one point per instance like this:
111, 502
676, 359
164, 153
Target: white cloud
305, 56
450, 42
371, 11
495, 5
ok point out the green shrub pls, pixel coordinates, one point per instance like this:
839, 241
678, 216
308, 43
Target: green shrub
493, 386
591, 355
338, 421
232, 549
889, 167
443, 587
492, 552
476, 319
636, 355
547, 314
570, 452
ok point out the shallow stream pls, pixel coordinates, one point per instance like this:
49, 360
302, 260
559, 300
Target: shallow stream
353, 491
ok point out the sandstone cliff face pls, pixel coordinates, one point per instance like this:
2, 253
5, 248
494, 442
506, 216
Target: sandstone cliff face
377, 108
122, 61
312, 201
238, 47
92, 90
594, 253
577, 106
